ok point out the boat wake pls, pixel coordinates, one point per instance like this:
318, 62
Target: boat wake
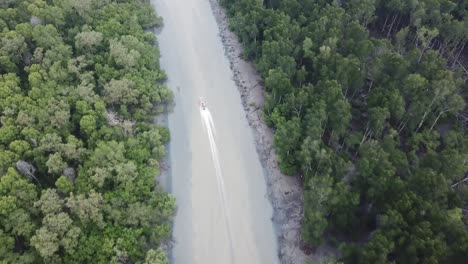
207, 120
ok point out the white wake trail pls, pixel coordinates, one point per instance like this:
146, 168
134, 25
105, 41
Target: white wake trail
211, 131
210, 119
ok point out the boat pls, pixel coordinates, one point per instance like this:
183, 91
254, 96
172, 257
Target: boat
202, 103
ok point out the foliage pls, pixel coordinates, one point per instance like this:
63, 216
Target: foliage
367, 99
77, 186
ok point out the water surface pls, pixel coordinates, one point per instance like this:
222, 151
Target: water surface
223, 214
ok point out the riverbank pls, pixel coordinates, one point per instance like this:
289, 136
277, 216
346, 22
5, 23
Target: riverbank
284, 192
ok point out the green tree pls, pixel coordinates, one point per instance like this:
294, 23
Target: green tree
88, 209
55, 164
286, 149
64, 185
156, 257
88, 124
50, 202
278, 84
88, 41
120, 92
377, 250
316, 196
46, 243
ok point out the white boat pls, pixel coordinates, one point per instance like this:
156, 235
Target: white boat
202, 103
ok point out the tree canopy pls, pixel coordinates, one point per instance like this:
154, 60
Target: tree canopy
79, 84
367, 100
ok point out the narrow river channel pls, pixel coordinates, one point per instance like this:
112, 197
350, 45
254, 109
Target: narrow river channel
224, 215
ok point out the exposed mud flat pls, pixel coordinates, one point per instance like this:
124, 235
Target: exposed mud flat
284, 192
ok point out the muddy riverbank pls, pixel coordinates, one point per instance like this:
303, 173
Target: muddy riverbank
284, 192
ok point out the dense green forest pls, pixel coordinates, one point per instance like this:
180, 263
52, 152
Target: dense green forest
367, 99
79, 83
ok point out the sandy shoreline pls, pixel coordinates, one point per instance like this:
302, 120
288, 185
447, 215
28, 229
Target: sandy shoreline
284, 192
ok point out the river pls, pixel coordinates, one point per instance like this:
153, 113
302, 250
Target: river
224, 215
